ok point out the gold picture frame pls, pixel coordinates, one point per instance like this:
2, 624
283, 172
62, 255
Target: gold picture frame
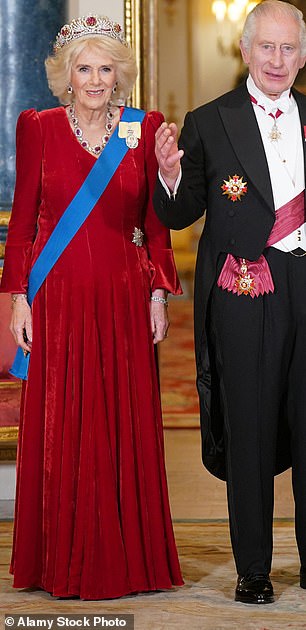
8, 435
140, 23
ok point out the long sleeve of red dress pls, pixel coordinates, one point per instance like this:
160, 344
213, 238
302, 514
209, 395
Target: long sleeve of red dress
23, 222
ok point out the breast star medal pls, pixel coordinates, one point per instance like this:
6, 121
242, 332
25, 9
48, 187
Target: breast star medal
244, 283
234, 188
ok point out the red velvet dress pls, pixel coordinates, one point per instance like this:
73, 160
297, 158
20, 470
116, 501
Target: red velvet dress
92, 512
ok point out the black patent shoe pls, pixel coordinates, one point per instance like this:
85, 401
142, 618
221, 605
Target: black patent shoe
254, 589
303, 577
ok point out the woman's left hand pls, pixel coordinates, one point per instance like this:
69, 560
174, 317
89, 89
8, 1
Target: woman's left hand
159, 321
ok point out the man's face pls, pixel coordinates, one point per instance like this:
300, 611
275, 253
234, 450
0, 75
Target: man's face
274, 56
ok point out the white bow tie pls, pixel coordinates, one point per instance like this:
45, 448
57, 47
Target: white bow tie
271, 107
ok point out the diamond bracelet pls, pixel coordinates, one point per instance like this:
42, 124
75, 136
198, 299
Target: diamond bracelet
156, 298
15, 296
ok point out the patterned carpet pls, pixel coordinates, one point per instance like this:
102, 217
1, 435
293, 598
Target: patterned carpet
204, 603
177, 369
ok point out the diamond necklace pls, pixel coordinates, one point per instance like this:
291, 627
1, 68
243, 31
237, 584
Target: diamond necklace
109, 124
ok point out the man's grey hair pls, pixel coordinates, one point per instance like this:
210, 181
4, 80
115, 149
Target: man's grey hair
278, 8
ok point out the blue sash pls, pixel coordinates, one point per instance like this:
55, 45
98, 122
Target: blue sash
74, 216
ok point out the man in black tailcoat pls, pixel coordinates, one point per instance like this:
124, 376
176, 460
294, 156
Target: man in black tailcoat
241, 158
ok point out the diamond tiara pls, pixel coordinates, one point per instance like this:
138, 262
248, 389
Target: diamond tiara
88, 25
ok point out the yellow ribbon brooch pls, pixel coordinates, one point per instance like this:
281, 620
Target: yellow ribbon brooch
131, 131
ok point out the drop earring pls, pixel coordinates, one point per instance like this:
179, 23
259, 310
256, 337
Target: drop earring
114, 90
69, 89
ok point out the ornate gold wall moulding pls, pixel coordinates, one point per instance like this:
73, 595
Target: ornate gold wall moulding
172, 108
133, 34
9, 434
140, 24
8, 443
170, 11
11, 384
8, 454
5, 217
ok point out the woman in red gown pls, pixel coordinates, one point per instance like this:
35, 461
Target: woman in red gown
92, 511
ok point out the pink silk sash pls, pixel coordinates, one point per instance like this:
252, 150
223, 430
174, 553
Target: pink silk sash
242, 276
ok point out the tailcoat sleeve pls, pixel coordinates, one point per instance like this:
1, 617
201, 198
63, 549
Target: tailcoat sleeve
157, 236
190, 201
23, 221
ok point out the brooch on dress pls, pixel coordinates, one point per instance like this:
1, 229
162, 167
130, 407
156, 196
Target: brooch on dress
234, 188
131, 131
138, 237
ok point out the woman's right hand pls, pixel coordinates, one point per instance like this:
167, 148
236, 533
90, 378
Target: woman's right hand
168, 154
21, 322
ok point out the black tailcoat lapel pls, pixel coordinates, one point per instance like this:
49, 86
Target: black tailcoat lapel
242, 129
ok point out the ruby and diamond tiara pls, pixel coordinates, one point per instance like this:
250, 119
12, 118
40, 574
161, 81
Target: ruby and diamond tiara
88, 25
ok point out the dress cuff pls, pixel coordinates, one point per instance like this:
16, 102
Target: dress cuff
163, 272
16, 257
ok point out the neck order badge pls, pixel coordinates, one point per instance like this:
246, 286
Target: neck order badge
275, 133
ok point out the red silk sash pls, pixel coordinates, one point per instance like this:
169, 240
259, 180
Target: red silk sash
242, 276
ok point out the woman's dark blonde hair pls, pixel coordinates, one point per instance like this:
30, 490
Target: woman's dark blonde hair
59, 65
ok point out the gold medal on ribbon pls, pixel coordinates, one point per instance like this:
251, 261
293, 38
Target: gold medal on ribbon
244, 283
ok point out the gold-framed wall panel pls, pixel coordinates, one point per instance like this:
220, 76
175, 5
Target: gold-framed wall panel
8, 435
4, 221
141, 29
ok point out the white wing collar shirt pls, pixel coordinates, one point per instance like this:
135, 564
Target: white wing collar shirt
284, 153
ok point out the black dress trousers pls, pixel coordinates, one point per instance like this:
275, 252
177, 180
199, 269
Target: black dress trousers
260, 346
